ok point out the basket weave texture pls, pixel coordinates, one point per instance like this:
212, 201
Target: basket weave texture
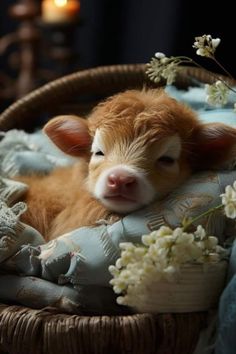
24, 330
87, 85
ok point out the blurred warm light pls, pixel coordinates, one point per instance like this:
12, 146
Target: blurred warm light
60, 11
60, 3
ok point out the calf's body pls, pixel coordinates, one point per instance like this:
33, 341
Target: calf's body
134, 148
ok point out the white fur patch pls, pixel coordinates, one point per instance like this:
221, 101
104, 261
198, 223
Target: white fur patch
97, 145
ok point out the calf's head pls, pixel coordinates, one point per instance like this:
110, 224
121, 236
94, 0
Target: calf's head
140, 145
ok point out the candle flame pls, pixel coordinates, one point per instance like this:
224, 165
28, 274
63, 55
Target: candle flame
60, 3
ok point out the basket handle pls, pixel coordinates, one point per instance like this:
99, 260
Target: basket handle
25, 113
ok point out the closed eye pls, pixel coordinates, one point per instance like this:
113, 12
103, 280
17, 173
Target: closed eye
99, 153
166, 160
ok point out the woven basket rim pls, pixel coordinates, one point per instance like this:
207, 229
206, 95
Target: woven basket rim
23, 113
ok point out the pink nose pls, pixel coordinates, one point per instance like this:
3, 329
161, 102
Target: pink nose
117, 180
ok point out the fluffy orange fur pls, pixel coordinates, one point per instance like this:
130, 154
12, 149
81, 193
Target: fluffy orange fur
135, 125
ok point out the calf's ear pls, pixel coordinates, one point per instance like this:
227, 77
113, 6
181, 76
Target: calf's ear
214, 147
70, 134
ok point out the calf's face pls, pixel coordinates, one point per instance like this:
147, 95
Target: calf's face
140, 145
129, 169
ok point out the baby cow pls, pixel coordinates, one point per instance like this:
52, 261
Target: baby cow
134, 148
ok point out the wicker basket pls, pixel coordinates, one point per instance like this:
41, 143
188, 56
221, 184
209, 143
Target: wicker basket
24, 330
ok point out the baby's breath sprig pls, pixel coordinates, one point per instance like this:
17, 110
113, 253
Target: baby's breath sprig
166, 68
164, 251
206, 45
162, 67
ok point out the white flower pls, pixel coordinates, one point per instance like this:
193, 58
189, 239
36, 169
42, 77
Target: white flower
182, 253
206, 45
165, 69
147, 269
169, 73
229, 201
140, 252
182, 237
200, 233
211, 242
119, 263
120, 300
159, 55
118, 287
230, 210
215, 42
113, 270
217, 93
127, 246
160, 257
147, 240
162, 67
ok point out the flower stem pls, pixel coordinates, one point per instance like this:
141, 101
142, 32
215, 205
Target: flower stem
192, 221
183, 59
222, 67
217, 77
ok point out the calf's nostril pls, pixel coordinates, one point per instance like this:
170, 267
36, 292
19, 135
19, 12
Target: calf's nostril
119, 180
112, 181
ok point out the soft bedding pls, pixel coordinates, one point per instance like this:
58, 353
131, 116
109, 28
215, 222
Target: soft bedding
81, 258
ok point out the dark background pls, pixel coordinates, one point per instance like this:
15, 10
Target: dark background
131, 31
